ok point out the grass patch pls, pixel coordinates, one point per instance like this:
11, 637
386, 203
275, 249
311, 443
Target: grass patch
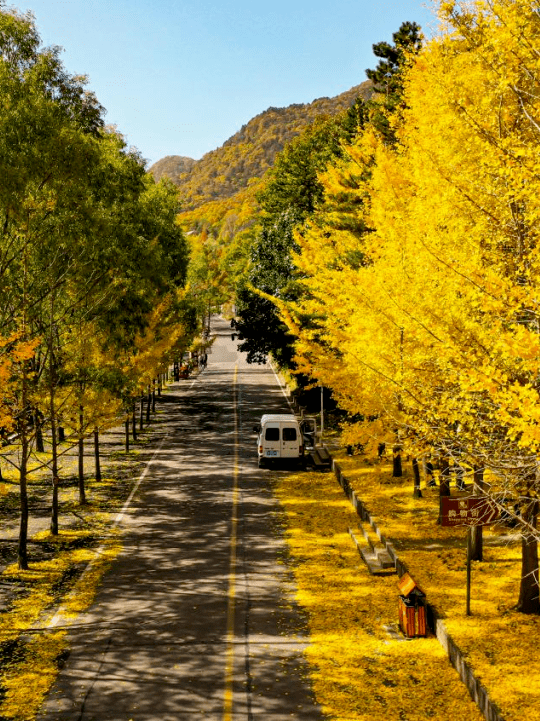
360, 670
27, 680
30, 650
500, 644
65, 572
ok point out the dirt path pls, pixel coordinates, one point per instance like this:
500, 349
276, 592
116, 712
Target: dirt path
196, 617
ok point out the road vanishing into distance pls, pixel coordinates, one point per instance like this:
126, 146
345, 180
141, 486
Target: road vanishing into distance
196, 618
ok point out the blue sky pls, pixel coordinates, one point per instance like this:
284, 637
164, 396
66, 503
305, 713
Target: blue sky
179, 77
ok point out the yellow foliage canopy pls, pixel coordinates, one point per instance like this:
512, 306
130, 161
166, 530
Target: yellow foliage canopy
430, 320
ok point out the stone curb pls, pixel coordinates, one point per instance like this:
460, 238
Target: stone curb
477, 691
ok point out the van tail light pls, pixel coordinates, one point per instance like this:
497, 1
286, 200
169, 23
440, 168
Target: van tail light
260, 449
301, 449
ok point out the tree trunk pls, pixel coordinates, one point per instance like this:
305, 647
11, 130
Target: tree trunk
127, 433
96, 454
444, 484
397, 470
477, 548
154, 396
417, 493
160, 381
134, 421
141, 419
54, 463
40, 448
529, 601
61, 434
82, 490
148, 405
22, 550
444, 487
52, 413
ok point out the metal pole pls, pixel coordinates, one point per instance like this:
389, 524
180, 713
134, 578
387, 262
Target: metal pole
469, 554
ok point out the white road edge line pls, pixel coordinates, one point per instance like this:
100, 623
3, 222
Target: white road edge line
280, 384
135, 488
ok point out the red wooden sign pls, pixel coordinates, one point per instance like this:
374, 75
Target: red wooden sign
470, 511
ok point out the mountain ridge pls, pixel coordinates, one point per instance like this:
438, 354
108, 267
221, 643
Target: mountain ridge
250, 152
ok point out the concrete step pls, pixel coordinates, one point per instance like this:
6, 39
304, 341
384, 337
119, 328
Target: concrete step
318, 460
374, 565
384, 559
376, 546
324, 455
376, 559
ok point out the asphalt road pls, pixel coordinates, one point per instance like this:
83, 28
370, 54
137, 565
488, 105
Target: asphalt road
196, 619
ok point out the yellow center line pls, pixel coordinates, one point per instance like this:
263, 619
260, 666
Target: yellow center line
231, 597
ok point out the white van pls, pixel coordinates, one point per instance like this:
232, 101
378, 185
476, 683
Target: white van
279, 437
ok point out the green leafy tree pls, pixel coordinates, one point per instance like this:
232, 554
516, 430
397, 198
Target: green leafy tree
48, 127
87, 240
293, 183
271, 273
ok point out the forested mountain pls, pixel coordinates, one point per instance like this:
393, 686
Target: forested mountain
249, 153
173, 166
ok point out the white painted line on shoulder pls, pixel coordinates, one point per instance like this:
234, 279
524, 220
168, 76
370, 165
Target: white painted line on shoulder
280, 384
60, 614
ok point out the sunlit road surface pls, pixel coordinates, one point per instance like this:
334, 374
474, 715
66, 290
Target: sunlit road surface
196, 619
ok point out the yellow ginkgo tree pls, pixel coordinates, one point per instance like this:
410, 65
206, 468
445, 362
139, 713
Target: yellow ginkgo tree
426, 325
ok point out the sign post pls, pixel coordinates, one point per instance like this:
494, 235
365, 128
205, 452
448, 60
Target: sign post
469, 554
469, 511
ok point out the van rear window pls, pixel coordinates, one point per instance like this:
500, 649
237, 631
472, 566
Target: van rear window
272, 434
289, 434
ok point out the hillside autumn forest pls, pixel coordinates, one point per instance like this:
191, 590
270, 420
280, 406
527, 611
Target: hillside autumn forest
382, 244
249, 153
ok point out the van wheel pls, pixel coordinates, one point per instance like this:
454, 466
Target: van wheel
260, 463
